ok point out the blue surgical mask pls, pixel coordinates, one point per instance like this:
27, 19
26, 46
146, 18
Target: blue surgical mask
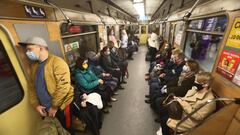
32, 56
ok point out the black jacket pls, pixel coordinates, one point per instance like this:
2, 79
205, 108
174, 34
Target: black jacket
181, 91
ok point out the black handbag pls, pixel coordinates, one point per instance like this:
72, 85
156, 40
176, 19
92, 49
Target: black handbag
174, 108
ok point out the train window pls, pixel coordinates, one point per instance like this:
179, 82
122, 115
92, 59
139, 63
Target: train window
135, 29
212, 24
11, 91
196, 24
203, 48
83, 44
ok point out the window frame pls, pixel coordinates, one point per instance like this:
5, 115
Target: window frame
188, 30
15, 76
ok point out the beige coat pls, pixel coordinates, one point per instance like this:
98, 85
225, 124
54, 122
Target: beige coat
191, 102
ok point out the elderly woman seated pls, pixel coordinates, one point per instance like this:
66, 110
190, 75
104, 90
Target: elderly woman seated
200, 93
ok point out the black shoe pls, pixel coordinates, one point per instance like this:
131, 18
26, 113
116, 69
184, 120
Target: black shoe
109, 104
105, 110
158, 120
147, 101
123, 82
120, 87
147, 96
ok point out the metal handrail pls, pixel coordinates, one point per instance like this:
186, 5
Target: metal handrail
190, 114
69, 21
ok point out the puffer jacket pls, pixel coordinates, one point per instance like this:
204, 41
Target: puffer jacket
86, 79
57, 77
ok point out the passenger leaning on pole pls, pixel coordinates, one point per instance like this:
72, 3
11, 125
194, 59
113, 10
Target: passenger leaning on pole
49, 85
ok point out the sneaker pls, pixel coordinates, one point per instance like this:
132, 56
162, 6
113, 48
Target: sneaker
113, 99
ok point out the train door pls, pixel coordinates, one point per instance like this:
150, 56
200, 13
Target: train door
16, 114
143, 34
102, 32
172, 33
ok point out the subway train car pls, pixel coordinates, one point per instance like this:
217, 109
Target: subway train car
207, 31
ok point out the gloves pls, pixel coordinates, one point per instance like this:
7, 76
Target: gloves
164, 89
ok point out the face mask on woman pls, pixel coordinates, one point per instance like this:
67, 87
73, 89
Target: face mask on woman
85, 66
185, 68
107, 52
199, 86
32, 56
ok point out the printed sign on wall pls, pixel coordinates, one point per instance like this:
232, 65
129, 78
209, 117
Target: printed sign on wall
71, 46
228, 63
35, 12
236, 78
234, 36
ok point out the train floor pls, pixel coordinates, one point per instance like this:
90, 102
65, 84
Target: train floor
130, 115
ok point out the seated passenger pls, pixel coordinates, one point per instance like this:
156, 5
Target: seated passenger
122, 64
196, 97
178, 87
167, 63
169, 74
87, 82
87, 108
109, 65
108, 79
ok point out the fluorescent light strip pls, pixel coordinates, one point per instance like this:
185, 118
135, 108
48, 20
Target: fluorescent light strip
140, 8
136, 1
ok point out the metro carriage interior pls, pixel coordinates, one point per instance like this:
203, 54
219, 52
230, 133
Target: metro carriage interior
133, 67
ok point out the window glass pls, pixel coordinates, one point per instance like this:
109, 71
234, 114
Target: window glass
135, 29
203, 48
83, 44
212, 24
221, 24
11, 92
196, 24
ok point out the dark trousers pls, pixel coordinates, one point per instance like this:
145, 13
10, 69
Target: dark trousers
60, 115
152, 53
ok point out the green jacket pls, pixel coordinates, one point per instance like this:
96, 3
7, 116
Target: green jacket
58, 81
86, 79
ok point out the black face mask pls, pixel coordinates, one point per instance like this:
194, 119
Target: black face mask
199, 86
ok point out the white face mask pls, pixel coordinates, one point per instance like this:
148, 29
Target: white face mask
185, 68
107, 52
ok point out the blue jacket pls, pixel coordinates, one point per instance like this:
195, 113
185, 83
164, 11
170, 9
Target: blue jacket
86, 79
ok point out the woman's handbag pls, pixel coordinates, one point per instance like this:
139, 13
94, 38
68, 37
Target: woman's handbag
174, 108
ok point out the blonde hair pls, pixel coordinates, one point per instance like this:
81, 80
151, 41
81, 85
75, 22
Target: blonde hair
176, 51
193, 65
204, 78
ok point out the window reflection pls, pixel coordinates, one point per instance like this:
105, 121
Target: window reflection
203, 48
10, 90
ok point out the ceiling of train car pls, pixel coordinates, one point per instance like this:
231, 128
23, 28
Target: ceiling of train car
150, 6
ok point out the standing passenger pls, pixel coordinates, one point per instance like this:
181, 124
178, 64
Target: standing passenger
153, 43
49, 86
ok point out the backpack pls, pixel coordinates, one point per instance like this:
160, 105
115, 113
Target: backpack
51, 126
